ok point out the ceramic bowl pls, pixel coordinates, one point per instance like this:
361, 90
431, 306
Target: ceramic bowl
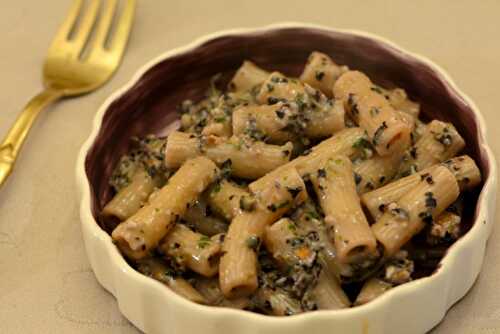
147, 104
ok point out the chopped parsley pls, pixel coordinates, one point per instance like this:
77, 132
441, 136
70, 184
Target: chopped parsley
253, 242
204, 241
364, 146
216, 187
313, 215
220, 119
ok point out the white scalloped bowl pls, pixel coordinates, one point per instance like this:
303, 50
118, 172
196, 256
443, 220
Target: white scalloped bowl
144, 105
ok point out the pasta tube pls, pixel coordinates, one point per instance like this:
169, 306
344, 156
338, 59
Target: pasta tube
400, 101
132, 197
277, 302
464, 168
327, 294
238, 265
271, 121
386, 129
440, 141
247, 77
334, 184
373, 173
421, 205
277, 88
278, 240
210, 290
192, 250
225, 198
321, 72
143, 231
373, 288
249, 159
280, 122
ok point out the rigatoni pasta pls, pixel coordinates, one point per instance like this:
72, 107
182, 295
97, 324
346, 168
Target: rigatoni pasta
372, 289
321, 72
142, 232
334, 185
247, 77
440, 141
195, 251
132, 197
385, 127
238, 266
248, 159
464, 169
421, 205
280, 122
283, 195
225, 197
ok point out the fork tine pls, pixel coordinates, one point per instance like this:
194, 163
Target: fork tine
104, 23
65, 28
85, 27
123, 27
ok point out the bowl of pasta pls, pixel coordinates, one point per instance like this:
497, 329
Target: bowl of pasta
289, 178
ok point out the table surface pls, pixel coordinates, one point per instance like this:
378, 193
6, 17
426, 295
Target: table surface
46, 283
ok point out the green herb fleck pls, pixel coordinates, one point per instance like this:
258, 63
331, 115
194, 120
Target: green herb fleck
253, 242
220, 119
216, 187
203, 242
313, 215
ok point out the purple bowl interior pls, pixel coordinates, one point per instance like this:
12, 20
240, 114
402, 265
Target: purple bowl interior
150, 104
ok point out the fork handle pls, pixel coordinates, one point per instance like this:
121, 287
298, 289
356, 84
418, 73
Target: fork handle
13, 141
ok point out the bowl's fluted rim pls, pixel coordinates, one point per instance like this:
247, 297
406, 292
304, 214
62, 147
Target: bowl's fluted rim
478, 232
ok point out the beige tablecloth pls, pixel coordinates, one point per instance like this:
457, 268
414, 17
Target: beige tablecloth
46, 284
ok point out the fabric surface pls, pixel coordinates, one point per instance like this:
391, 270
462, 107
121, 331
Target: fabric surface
46, 284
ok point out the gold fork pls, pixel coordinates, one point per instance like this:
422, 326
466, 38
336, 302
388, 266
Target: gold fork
66, 72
